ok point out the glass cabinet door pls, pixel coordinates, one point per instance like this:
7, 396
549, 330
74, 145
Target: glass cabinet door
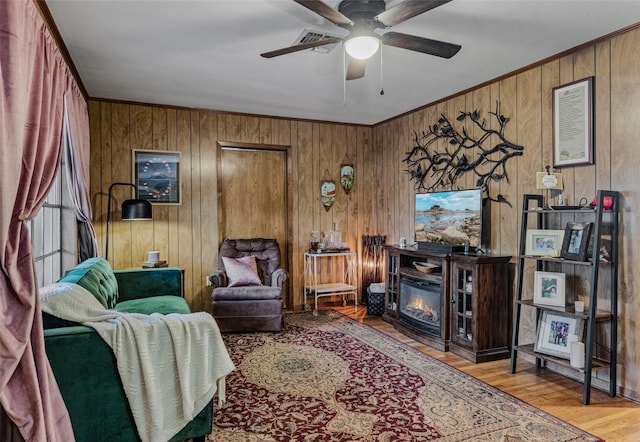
463, 304
393, 264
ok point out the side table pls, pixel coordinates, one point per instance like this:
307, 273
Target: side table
345, 285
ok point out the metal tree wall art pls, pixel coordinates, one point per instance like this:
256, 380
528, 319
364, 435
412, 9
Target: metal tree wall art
463, 153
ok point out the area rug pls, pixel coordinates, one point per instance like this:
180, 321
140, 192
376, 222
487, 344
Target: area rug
330, 378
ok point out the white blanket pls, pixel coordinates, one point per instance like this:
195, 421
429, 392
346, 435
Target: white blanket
170, 365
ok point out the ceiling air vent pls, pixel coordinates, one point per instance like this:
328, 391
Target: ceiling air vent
309, 36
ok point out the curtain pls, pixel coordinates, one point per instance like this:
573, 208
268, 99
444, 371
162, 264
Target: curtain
33, 77
76, 142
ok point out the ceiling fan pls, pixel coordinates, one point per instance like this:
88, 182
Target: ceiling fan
361, 18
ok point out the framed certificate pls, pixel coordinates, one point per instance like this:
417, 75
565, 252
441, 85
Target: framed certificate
573, 124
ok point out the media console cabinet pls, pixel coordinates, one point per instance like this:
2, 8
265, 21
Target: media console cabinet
463, 305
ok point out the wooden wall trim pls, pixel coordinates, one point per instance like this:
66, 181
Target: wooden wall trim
234, 145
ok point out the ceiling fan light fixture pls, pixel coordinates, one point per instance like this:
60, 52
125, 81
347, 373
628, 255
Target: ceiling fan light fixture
362, 47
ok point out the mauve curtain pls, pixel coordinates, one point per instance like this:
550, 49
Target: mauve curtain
33, 79
76, 144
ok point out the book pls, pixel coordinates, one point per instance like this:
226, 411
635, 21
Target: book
154, 264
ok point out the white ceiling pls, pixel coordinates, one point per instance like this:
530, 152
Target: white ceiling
205, 54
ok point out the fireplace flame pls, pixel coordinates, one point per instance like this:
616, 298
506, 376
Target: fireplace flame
422, 310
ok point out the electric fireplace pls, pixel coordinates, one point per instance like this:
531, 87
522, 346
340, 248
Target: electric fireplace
420, 305
429, 304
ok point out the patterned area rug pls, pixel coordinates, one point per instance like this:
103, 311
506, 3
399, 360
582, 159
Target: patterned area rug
329, 378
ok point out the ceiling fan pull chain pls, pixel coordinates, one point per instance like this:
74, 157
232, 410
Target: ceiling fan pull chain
381, 77
344, 76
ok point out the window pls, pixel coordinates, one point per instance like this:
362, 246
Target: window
53, 233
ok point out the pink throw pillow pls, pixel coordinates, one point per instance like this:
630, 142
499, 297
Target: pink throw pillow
241, 271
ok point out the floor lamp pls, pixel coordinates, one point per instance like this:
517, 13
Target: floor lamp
372, 262
133, 209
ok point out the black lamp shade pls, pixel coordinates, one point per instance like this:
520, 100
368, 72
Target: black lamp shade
131, 210
136, 210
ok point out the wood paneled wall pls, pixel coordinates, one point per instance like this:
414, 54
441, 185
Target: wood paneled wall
382, 199
187, 235
526, 98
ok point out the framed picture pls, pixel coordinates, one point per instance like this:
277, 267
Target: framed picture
548, 180
346, 177
554, 330
156, 174
548, 288
576, 241
544, 242
573, 123
327, 193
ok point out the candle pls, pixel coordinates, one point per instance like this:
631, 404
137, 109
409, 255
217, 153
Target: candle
577, 354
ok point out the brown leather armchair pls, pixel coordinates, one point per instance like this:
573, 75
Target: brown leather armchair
249, 307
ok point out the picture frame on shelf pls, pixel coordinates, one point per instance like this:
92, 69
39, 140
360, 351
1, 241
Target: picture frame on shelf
573, 112
549, 289
576, 241
544, 242
554, 331
156, 174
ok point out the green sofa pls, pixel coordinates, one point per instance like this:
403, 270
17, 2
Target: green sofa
84, 365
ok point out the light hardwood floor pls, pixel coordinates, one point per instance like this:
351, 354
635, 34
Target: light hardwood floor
612, 419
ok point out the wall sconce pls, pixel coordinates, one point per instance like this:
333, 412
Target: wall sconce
132, 210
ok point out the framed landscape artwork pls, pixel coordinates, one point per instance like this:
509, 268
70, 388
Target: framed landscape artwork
327, 193
156, 175
347, 177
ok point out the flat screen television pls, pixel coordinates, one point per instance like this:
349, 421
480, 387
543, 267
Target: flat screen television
448, 220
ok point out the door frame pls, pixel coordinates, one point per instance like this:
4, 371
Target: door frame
287, 247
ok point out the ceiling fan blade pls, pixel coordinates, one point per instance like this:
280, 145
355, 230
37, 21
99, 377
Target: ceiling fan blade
406, 10
355, 68
421, 44
300, 47
326, 11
